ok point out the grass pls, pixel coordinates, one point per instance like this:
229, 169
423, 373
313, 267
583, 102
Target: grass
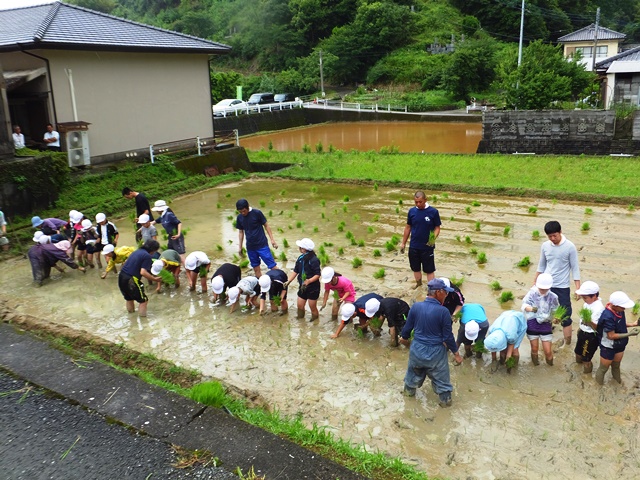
356, 262
505, 297
495, 286
525, 262
379, 273
209, 393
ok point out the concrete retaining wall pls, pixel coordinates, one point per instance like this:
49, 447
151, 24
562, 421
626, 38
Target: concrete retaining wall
223, 161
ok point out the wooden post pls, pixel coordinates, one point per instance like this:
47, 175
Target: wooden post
6, 140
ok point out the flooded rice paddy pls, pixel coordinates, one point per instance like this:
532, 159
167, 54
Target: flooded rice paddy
425, 137
538, 422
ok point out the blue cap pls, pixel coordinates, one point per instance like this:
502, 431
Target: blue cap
438, 284
36, 222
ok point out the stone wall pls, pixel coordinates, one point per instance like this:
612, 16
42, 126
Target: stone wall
215, 163
551, 132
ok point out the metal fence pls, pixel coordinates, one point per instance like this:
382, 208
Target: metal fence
248, 109
197, 145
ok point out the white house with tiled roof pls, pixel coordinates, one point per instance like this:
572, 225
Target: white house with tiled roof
134, 84
584, 42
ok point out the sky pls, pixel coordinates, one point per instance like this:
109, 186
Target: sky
5, 4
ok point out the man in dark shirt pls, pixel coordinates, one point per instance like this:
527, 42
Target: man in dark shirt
138, 265
142, 206
253, 223
395, 311
226, 276
431, 324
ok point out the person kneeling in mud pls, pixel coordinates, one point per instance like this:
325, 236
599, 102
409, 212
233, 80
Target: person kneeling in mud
365, 308
45, 256
473, 328
172, 262
505, 336
248, 287
272, 284
395, 312
138, 265
539, 305
341, 286
115, 256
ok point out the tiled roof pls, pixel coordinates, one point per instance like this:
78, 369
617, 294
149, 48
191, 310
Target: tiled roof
61, 26
587, 34
632, 55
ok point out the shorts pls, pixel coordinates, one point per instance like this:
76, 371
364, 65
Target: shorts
262, 253
81, 247
540, 336
609, 353
422, 259
91, 249
312, 292
132, 289
177, 245
586, 345
564, 298
539, 329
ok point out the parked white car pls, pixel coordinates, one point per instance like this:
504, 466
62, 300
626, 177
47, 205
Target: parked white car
228, 106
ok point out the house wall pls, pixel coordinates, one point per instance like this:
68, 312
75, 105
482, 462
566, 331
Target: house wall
131, 99
570, 48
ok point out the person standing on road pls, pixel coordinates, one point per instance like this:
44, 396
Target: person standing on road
559, 257
423, 225
253, 223
138, 265
142, 207
613, 325
588, 337
433, 335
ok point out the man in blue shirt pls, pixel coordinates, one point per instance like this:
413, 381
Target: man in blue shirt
138, 265
253, 223
431, 325
423, 224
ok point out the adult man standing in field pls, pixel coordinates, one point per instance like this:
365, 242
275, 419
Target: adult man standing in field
142, 207
423, 224
433, 335
253, 222
559, 257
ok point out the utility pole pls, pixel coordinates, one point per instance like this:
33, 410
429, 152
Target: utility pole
595, 40
521, 35
321, 76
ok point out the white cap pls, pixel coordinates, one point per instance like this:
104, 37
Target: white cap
446, 281
192, 260
157, 266
72, 214
371, 307
347, 311
327, 274
44, 239
217, 284
159, 206
86, 224
144, 218
621, 299
265, 283
233, 293
588, 288
471, 330
306, 243
544, 281
108, 248
37, 235
75, 216
101, 217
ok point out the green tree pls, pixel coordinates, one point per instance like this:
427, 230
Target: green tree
310, 17
104, 6
223, 85
472, 68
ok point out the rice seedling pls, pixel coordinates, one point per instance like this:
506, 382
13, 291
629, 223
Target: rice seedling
510, 363
345, 198
495, 286
167, 277
585, 315
467, 239
533, 210
285, 243
467, 209
315, 229
280, 230
361, 243
323, 203
482, 258
356, 217
473, 251
456, 281
400, 202
434, 198
376, 218
322, 215
390, 246
299, 224
262, 203
229, 217
228, 195
280, 212
631, 207
371, 230
478, 347
324, 259
271, 213
451, 218
341, 251
356, 262
290, 214
353, 242
535, 234
296, 206
505, 297
306, 148
379, 274
283, 257
202, 272
244, 263
397, 209
458, 239
432, 238
230, 241
588, 211
314, 189
475, 203
506, 231
375, 187
478, 226
375, 322
525, 262
376, 253
344, 209
349, 234
360, 333
327, 244
283, 193
559, 313
585, 227
219, 248
636, 308
341, 226
276, 300
218, 205
319, 147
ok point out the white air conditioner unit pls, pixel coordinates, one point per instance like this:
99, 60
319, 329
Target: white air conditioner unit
78, 148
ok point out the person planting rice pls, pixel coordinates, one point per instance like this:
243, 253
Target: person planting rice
197, 264
539, 305
454, 300
504, 337
307, 269
248, 287
173, 227
423, 225
473, 327
272, 284
226, 276
115, 256
43, 257
107, 232
147, 230
253, 223
615, 337
341, 285
394, 311
54, 227
588, 338
86, 240
364, 309
138, 265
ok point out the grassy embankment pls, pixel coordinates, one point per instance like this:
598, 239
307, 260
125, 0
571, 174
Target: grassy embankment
585, 178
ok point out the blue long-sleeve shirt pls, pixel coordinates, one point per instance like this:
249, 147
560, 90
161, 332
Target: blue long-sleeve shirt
431, 323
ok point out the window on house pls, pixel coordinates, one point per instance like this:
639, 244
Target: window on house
585, 51
602, 51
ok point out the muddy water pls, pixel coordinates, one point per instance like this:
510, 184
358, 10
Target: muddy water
431, 137
540, 422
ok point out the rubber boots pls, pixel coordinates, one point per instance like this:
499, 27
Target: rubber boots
549, 362
534, 359
418, 284
600, 373
615, 371
300, 313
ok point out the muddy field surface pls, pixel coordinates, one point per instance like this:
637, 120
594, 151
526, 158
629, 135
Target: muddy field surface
538, 422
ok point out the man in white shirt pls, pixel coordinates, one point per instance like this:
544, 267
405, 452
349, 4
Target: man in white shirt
18, 137
52, 139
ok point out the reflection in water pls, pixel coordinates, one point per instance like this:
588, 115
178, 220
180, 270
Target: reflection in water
500, 426
428, 137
